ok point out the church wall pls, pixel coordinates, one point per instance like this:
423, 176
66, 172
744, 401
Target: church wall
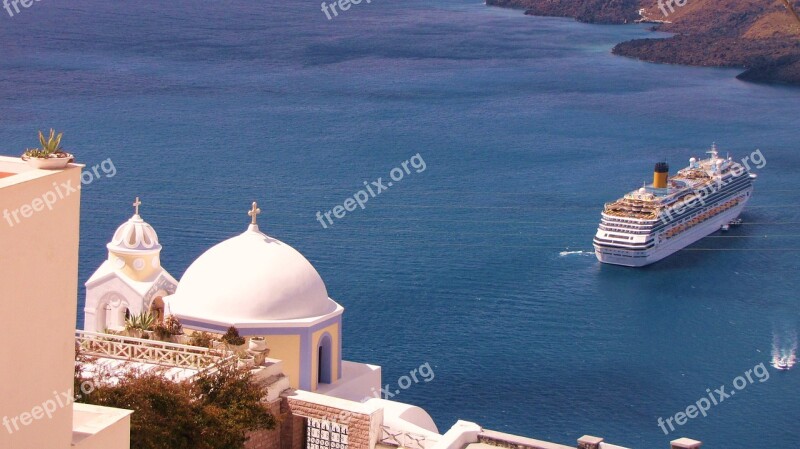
287, 349
117, 294
39, 292
296, 346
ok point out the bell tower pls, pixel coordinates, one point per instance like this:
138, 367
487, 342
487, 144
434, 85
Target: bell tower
131, 280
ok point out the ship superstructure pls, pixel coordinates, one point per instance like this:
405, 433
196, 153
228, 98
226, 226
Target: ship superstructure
649, 224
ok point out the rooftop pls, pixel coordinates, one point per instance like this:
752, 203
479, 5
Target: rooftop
14, 170
89, 420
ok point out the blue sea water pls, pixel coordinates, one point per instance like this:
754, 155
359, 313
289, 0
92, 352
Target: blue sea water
478, 265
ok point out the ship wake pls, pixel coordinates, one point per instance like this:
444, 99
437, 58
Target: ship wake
784, 351
576, 253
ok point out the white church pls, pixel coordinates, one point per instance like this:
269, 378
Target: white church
252, 281
130, 281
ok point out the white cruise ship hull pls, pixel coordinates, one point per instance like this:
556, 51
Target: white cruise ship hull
660, 219
666, 247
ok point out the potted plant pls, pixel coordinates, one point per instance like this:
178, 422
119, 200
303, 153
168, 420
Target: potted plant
246, 360
132, 327
174, 328
50, 156
201, 339
234, 341
162, 332
141, 325
257, 344
146, 323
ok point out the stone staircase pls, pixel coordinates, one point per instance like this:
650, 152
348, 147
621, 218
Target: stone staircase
269, 375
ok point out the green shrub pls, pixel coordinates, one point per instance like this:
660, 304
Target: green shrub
232, 337
202, 339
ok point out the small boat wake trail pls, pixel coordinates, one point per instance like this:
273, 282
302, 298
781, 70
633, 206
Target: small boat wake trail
576, 253
784, 350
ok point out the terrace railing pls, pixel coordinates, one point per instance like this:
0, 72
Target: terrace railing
151, 351
402, 439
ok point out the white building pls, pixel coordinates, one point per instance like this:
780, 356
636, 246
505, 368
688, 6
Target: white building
130, 281
38, 293
265, 288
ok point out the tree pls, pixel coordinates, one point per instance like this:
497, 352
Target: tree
230, 406
214, 410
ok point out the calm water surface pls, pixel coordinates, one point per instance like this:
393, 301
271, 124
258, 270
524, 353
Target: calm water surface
479, 265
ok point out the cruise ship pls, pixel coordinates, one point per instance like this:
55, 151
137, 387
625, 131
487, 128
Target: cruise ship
649, 224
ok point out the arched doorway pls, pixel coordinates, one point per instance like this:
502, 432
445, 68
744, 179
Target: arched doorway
111, 313
121, 315
324, 359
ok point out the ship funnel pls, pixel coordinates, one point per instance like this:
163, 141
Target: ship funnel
660, 175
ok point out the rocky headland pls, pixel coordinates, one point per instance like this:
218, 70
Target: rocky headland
762, 37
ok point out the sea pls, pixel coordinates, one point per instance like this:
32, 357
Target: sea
480, 264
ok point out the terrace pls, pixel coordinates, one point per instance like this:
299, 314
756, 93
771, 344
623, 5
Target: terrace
180, 361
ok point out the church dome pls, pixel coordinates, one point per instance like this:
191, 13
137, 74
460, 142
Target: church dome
135, 235
251, 278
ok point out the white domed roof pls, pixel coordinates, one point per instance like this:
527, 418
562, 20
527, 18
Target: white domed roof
135, 235
251, 278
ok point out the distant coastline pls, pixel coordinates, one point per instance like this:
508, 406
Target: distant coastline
763, 41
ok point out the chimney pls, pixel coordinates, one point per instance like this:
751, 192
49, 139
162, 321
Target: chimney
660, 175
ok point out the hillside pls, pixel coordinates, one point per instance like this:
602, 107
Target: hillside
760, 36
589, 11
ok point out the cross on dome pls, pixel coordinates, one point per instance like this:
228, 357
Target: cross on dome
253, 213
136, 205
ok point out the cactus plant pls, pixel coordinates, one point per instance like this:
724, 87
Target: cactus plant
50, 155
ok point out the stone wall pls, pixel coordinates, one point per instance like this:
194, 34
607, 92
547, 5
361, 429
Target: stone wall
268, 439
292, 428
508, 441
294, 409
358, 423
